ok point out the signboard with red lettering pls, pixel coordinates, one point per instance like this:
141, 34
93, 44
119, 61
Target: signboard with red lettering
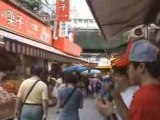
20, 23
68, 47
62, 10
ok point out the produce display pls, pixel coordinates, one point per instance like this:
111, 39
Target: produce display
8, 92
11, 86
5, 96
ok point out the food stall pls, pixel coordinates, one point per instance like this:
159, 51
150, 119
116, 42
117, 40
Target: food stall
9, 83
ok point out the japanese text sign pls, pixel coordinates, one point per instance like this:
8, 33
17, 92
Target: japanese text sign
20, 23
63, 10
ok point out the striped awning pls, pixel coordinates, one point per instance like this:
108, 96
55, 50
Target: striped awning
1, 41
21, 45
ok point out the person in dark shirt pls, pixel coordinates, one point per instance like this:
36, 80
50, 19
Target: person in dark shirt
70, 109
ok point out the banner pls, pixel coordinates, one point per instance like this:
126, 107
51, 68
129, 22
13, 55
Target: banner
63, 10
16, 21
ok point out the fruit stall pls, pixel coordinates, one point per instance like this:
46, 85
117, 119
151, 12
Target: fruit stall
8, 91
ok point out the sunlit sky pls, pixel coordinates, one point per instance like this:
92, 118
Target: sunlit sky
81, 7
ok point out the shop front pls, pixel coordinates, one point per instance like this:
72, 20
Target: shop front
24, 42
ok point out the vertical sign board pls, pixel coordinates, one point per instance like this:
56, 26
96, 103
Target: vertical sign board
63, 10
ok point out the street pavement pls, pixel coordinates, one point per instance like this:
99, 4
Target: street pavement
89, 111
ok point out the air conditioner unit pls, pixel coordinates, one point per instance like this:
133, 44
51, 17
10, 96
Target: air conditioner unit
137, 32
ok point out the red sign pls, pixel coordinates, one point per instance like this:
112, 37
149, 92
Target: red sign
62, 10
68, 47
16, 21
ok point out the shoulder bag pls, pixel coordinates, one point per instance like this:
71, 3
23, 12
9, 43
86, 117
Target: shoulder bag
68, 97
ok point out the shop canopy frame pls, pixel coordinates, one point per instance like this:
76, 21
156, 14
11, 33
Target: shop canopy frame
114, 19
21, 45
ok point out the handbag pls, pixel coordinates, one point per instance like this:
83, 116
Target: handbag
67, 99
26, 98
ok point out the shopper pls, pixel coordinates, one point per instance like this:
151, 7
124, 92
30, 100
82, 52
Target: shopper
70, 98
32, 98
105, 100
144, 70
123, 92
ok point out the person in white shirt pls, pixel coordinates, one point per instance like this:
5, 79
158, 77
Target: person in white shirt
59, 85
122, 95
126, 91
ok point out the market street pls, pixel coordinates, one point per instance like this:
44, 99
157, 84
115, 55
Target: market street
89, 111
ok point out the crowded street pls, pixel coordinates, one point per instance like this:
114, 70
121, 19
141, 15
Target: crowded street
79, 59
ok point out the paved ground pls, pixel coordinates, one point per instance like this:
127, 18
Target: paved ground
89, 111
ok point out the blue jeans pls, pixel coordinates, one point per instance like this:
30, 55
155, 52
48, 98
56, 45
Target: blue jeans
31, 112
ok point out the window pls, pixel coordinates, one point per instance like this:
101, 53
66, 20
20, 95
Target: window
85, 21
80, 20
91, 21
75, 21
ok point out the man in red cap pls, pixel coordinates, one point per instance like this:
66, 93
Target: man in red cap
143, 60
144, 71
122, 93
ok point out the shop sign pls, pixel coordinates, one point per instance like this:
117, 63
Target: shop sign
92, 59
16, 21
104, 62
62, 10
68, 47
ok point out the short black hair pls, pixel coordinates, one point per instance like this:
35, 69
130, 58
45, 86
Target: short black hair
36, 71
152, 67
71, 78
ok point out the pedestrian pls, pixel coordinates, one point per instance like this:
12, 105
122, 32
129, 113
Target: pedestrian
70, 98
98, 86
105, 100
144, 70
95, 84
123, 92
32, 98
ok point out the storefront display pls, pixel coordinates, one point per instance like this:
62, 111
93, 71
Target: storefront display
10, 80
23, 49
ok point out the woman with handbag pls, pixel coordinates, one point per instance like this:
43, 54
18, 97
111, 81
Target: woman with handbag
70, 98
32, 98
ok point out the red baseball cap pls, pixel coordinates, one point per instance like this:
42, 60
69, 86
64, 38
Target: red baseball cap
124, 60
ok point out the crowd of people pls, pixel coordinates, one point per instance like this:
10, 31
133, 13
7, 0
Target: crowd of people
130, 92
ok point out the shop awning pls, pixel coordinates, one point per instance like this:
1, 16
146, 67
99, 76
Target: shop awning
19, 44
117, 16
1, 41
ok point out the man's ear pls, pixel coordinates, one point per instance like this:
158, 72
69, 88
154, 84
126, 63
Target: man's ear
141, 67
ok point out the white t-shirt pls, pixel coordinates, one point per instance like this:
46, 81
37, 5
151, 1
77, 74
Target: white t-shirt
127, 95
58, 86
